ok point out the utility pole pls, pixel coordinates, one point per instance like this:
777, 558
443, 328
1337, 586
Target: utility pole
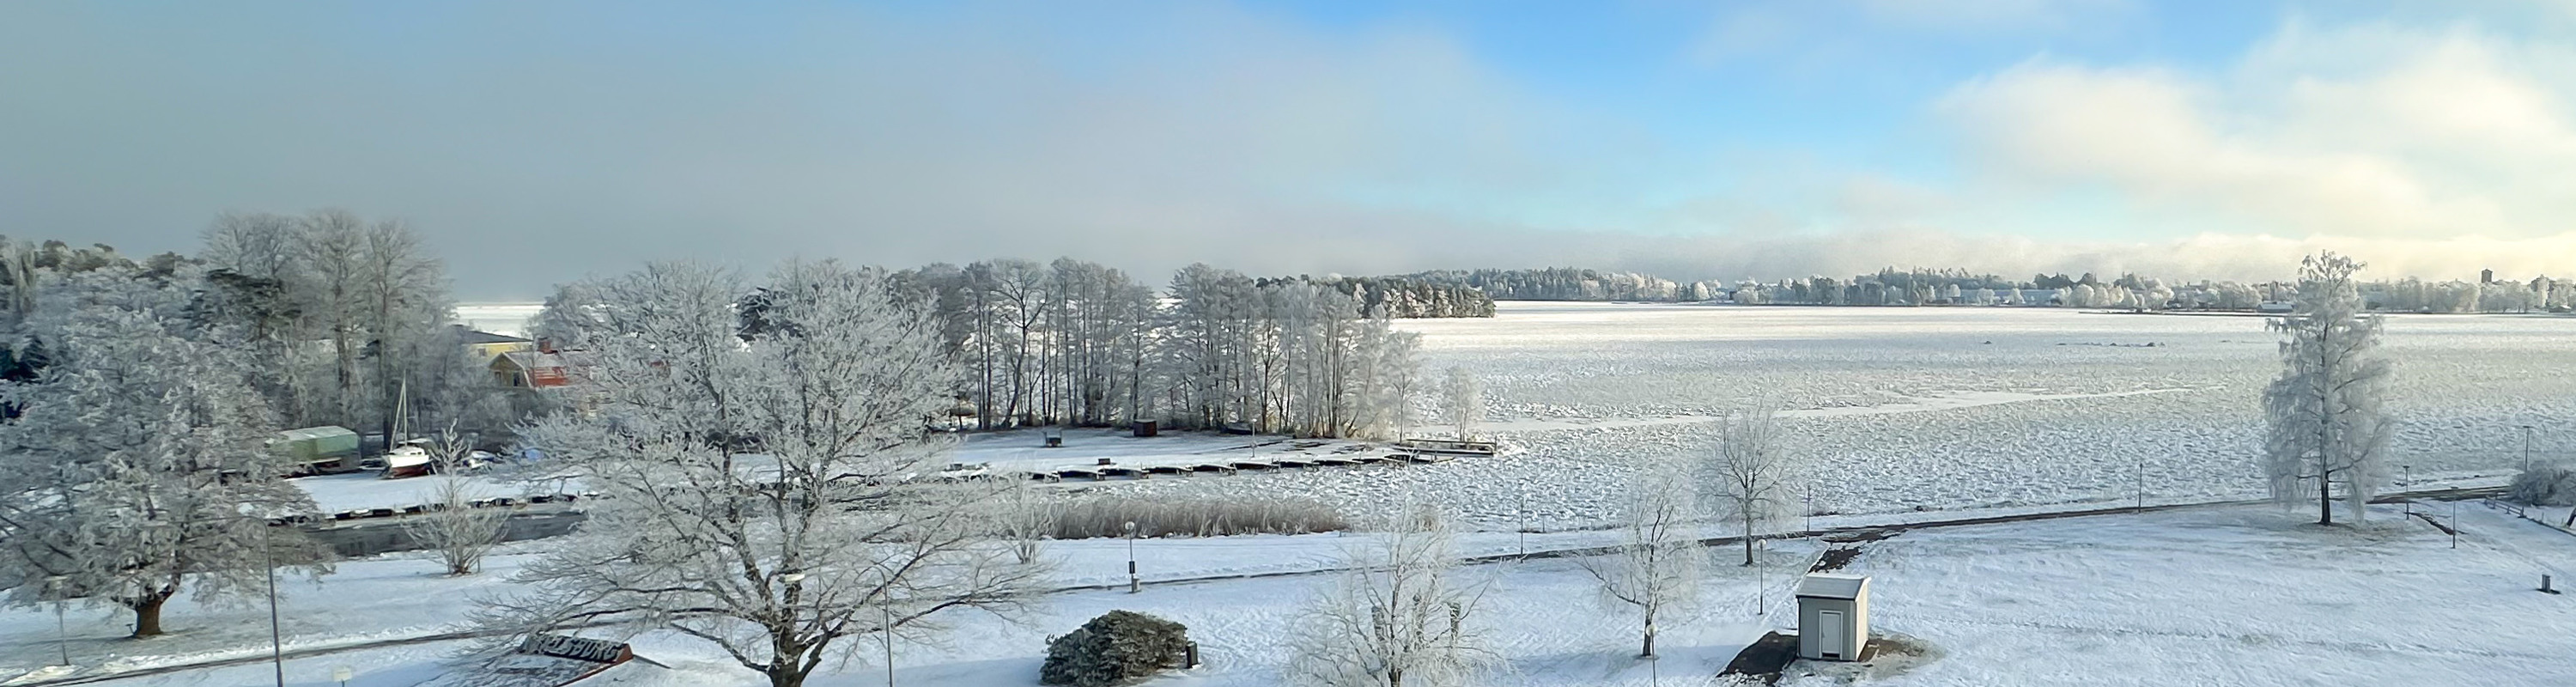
2526, 448
276, 648
62, 635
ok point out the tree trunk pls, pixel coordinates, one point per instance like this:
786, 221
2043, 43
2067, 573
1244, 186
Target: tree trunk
2325, 501
1748, 540
147, 617
1649, 650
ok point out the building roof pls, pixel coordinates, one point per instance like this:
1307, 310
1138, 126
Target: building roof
316, 433
471, 336
1831, 586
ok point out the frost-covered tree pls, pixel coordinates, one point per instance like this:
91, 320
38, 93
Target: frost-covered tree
458, 533
1656, 567
1397, 618
1750, 474
138, 467
1465, 406
767, 489
2325, 423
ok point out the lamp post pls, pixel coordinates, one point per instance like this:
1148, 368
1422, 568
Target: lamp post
2410, 484
276, 645
2526, 448
62, 636
1134, 584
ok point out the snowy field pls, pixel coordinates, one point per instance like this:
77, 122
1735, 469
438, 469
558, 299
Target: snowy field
1935, 408
1537, 612
2231, 596
2238, 595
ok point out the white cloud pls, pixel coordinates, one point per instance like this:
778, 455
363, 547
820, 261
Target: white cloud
2373, 131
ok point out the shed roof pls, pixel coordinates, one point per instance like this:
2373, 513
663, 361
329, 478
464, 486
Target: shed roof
316, 433
1830, 586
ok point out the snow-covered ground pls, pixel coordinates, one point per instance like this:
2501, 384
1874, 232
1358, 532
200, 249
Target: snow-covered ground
2233, 596
2238, 595
1538, 612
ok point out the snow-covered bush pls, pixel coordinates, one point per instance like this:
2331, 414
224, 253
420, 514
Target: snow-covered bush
1200, 517
2545, 485
1113, 648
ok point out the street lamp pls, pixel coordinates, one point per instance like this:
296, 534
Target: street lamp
1133, 583
2526, 448
2410, 484
62, 636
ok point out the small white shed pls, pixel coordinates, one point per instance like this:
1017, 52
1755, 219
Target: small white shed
1833, 616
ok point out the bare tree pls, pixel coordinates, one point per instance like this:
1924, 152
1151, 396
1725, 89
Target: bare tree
764, 492
1466, 406
2326, 425
455, 530
1657, 566
1396, 618
1026, 517
1751, 473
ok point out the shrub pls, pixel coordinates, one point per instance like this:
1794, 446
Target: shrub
1113, 648
1108, 517
2545, 485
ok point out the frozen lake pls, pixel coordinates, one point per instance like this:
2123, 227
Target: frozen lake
1937, 408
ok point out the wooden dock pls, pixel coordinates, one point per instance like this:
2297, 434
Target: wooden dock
1095, 473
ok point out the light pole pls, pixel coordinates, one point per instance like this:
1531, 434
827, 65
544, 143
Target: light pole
1520, 507
2410, 484
2526, 448
62, 636
1134, 584
276, 647
2142, 483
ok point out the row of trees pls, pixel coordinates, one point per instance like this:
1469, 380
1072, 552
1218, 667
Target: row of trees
1077, 343
349, 319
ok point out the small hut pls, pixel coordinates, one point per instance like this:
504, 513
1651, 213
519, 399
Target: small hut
1833, 616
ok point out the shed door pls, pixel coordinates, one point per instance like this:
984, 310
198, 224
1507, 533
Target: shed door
1829, 634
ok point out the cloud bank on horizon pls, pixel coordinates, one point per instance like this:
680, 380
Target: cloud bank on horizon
536, 143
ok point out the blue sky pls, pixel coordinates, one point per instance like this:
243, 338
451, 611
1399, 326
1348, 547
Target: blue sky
537, 142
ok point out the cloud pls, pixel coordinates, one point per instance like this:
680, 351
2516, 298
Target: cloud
2371, 131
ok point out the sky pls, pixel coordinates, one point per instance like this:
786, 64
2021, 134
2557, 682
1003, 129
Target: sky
536, 143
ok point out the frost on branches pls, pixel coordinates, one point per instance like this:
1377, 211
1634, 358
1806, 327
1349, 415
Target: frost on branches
760, 457
2326, 426
138, 466
1751, 474
1397, 618
1656, 566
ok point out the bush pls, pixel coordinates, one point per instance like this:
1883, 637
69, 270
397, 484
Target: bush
2544, 485
1108, 517
1113, 648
